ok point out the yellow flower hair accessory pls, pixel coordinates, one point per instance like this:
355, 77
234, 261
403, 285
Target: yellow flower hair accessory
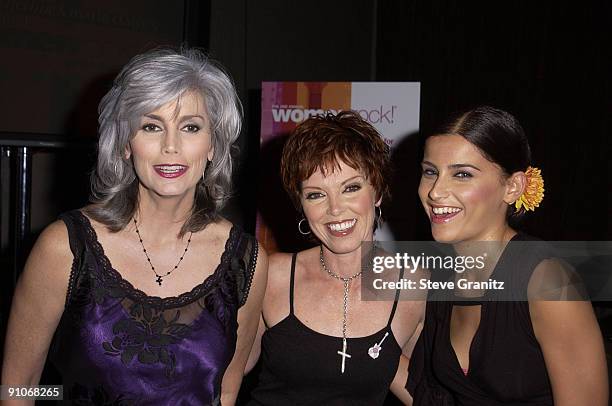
534, 190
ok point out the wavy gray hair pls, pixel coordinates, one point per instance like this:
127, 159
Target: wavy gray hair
146, 83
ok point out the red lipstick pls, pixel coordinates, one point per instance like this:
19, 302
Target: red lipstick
170, 171
442, 218
341, 228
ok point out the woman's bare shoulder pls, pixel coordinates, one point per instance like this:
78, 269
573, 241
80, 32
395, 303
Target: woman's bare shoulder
280, 262
53, 242
218, 231
223, 225
48, 267
279, 267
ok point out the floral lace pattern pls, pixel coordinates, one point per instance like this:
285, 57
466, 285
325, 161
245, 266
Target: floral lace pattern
146, 336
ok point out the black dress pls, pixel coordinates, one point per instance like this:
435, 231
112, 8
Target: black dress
302, 367
506, 362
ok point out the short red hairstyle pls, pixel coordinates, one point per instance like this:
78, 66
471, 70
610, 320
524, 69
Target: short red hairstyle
321, 142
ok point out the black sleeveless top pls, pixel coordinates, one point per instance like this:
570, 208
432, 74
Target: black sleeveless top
506, 362
302, 367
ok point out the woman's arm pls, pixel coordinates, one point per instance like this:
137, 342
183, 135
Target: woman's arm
37, 307
248, 320
276, 301
256, 348
398, 385
573, 351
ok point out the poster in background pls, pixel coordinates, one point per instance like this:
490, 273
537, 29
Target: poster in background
391, 107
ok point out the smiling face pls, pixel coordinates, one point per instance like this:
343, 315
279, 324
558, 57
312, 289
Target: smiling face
464, 195
171, 147
339, 207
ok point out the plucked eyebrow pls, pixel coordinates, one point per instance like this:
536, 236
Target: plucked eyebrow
458, 166
182, 118
342, 184
154, 117
454, 166
351, 179
188, 117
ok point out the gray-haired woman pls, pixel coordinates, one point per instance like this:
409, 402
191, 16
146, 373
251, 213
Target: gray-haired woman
146, 289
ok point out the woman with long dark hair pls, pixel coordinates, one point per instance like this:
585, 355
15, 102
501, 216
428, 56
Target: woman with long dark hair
476, 177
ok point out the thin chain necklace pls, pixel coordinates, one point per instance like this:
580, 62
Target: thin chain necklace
346, 282
159, 278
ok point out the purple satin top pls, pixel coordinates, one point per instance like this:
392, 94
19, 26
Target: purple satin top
116, 345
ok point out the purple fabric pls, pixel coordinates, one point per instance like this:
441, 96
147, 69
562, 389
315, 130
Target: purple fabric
115, 345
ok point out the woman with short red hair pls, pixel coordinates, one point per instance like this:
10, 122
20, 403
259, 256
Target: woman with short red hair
322, 344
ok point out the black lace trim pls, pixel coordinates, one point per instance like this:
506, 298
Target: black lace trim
110, 274
74, 270
250, 272
77, 253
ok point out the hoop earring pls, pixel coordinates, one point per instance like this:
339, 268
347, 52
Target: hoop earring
378, 216
300, 227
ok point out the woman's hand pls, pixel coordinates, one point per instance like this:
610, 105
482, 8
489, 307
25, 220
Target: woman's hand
38, 304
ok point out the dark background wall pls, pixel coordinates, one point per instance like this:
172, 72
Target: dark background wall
547, 62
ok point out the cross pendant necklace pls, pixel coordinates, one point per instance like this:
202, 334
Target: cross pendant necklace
160, 277
346, 282
343, 354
